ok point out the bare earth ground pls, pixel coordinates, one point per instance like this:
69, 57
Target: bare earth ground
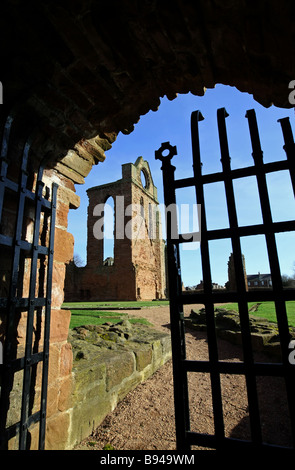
144, 420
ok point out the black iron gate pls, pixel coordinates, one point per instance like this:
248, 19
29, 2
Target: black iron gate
25, 206
249, 368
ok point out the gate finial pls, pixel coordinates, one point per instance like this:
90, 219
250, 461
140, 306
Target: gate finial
165, 146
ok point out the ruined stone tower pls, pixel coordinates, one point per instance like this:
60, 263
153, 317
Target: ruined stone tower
137, 269
232, 285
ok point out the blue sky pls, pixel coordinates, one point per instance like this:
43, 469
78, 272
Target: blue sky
172, 123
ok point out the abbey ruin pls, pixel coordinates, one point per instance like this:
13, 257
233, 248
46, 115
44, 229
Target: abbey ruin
137, 269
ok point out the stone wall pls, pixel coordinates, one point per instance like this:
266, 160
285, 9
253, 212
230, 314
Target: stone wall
89, 374
138, 270
232, 284
109, 361
264, 334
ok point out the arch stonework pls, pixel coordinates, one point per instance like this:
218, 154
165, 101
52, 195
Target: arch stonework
82, 71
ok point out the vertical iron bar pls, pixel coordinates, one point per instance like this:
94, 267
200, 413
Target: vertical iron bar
30, 318
240, 281
280, 304
3, 160
15, 291
47, 320
6, 375
10, 337
181, 404
289, 147
207, 280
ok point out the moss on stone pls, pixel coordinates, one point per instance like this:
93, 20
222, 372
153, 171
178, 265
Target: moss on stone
264, 334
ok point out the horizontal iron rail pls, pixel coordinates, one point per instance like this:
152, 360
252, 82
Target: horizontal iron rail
233, 297
234, 173
241, 231
23, 302
18, 364
13, 186
229, 443
23, 244
275, 369
14, 429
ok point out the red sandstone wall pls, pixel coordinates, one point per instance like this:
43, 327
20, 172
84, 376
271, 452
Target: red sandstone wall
138, 270
147, 252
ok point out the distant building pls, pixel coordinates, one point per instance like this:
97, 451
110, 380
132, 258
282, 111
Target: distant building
252, 281
200, 286
259, 280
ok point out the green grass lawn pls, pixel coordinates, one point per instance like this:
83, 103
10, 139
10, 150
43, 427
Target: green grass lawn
96, 317
267, 310
81, 316
120, 304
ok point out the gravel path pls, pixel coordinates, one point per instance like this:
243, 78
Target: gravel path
144, 420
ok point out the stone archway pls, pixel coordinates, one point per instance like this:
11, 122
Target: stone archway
84, 71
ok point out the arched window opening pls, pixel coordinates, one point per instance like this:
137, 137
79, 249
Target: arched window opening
144, 179
109, 230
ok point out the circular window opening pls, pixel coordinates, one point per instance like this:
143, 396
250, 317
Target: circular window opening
144, 179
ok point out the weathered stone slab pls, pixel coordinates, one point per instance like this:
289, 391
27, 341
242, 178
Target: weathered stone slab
109, 361
264, 334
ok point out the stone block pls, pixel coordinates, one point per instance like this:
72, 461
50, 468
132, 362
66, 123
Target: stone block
62, 211
52, 398
88, 372
118, 367
69, 173
63, 246
57, 428
158, 359
91, 147
125, 387
59, 325
143, 356
74, 161
58, 276
66, 359
54, 363
166, 346
64, 396
86, 416
68, 196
